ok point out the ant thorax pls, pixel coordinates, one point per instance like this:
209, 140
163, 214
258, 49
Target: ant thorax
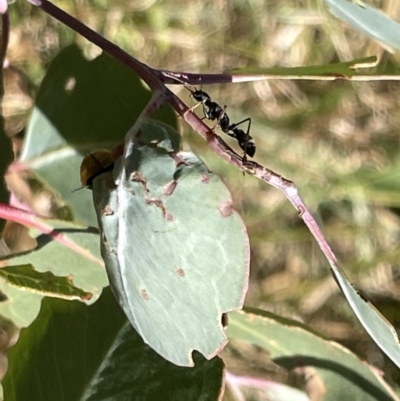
224, 122
214, 110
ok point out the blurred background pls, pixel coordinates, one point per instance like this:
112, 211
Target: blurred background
338, 141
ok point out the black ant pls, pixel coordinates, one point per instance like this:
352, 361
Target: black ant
213, 111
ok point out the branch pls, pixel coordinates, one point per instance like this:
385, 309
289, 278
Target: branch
156, 79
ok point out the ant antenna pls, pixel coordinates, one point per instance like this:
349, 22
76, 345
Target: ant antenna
77, 189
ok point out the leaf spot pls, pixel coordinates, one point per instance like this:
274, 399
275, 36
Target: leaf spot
170, 188
226, 208
137, 177
205, 179
180, 272
144, 294
155, 201
108, 211
159, 203
179, 160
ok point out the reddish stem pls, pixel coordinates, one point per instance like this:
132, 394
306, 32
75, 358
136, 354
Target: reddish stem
31, 220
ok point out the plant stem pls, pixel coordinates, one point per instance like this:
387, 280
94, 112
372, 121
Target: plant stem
32, 221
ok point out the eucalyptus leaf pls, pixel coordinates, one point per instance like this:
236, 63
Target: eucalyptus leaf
331, 372
380, 330
176, 253
55, 358
367, 20
102, 359
85, 268
27, 278
131, 370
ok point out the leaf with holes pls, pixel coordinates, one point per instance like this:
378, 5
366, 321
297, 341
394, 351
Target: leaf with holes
176, 253
81, 260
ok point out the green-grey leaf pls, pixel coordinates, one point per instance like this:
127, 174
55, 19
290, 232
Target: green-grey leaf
176, 253
367, 20
380, 330
88, 273
334, 372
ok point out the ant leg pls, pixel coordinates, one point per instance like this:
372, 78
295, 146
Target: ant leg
204, 110
247, 140
233, 126
202, 98
220, 118
195, 106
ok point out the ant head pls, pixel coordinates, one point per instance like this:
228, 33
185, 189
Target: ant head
191, 90
198, 94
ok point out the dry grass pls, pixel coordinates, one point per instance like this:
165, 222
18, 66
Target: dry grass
339, 142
